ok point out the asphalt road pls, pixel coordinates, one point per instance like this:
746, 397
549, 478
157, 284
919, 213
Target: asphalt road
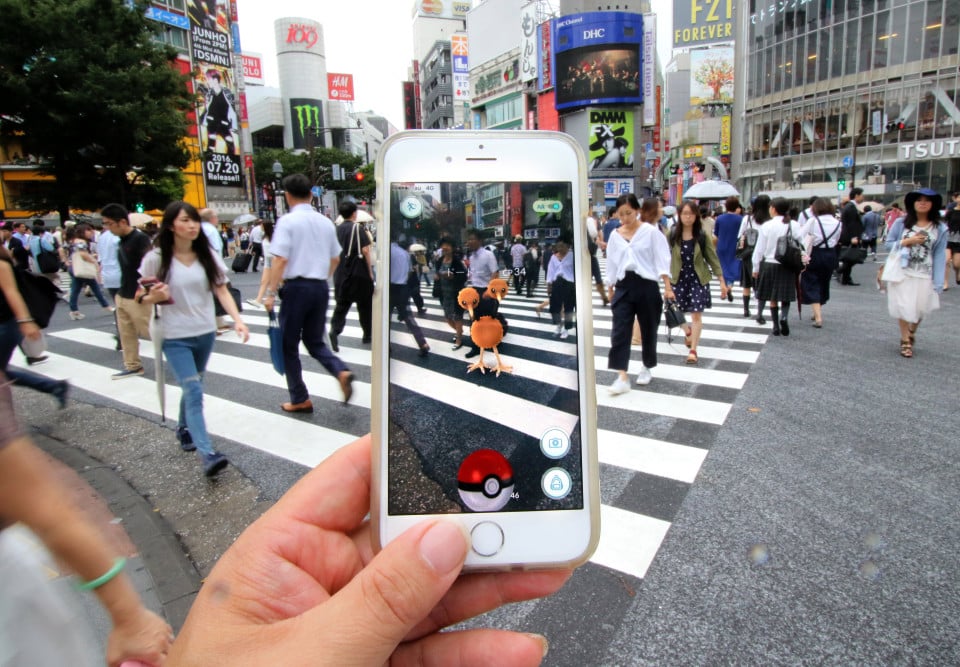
818, 529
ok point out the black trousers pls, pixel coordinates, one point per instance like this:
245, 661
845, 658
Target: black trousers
634, 297
257, 252
399, 301
353, 291
845, 268
563, 298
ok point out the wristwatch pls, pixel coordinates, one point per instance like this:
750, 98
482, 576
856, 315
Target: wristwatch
271, 292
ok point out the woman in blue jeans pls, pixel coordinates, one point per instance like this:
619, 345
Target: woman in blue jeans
17, 324
187, 271
78, 243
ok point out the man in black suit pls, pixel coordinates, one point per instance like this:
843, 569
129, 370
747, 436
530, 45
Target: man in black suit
851, 229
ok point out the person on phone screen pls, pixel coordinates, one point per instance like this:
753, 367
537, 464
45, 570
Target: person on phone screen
321, 598
638, 257
482, 267
188, 270
353, 278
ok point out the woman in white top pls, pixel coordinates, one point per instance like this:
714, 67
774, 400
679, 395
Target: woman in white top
920, 239
775, 283
822, 233
188, 271
637, 258
560, 286
759, 214
267, 263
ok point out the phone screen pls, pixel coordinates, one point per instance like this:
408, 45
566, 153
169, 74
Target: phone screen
463, 437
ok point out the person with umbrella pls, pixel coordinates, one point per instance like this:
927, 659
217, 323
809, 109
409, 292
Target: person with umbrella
186, 271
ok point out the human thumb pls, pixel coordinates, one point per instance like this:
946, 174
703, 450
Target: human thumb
374, 612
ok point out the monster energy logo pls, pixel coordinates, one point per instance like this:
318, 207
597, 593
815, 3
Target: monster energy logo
308, 115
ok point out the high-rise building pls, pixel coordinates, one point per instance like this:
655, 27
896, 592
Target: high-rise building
861, 91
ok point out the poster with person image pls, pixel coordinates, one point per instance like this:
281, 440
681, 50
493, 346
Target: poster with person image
610, 141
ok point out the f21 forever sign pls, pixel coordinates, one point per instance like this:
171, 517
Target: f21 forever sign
699, 22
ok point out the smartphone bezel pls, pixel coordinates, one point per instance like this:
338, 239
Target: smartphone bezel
532, 539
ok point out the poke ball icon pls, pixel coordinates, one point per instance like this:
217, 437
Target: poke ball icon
485, 481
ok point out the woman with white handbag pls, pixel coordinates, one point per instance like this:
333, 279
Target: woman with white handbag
84, 269
915, 268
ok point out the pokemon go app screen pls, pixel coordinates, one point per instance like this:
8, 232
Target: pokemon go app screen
484, 396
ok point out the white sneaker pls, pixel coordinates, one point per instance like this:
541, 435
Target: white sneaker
644, 377
564, 334
619, 386
559, 330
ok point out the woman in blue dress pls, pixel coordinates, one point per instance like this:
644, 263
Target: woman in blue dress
727, 231
693, 259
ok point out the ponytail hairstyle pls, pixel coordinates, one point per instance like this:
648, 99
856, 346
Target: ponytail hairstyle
782, 207
200, 245
676, 233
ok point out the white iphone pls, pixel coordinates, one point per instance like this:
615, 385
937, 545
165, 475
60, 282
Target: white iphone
484, 406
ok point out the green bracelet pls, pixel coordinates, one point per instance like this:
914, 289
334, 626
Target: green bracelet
105, 577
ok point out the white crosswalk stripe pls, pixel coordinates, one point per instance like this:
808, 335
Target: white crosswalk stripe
681, 400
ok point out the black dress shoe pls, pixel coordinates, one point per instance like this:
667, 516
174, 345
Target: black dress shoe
472, 353
760, 320
852, 283
784, 328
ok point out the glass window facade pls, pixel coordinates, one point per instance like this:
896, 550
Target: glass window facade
873, 82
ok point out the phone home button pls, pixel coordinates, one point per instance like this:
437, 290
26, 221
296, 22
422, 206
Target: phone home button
486, 538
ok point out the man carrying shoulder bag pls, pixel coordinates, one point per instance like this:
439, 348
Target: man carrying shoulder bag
353, 278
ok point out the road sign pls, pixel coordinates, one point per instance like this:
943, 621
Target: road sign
848, 162
316, 191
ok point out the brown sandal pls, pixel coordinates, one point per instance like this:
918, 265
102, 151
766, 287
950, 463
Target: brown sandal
692, 357
906, 349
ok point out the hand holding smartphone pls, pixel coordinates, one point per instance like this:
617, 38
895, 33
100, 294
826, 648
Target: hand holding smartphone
150, 283
500, 434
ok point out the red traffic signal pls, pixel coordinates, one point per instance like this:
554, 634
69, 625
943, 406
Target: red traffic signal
359, 176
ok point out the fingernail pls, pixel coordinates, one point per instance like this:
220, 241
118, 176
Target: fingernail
444, 547
543, 643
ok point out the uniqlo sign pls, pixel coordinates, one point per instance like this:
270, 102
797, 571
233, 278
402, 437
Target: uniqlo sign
252, 69
340, 87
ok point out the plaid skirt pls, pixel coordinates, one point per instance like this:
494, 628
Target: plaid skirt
776, 283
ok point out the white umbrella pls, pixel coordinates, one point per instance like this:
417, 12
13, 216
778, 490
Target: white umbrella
244, 219
417, 247
140, 219
711, 190
363, 216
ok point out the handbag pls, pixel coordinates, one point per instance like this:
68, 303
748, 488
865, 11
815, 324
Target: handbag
789, 252
748, 241
218, 308
82, 268
48, 261
673, 314
275, 336
40, 295
892, 271
853, 254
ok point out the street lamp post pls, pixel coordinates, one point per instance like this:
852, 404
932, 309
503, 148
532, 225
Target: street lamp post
277, 192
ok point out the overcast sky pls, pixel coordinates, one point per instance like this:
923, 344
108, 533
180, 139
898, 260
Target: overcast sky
371, 39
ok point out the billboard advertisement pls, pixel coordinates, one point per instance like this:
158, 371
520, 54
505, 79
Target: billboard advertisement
528, 42
306, 116
460, 53
442, 9
701, 22
649, 78
216, 94
340, 87
545, 53
598, 59
609, 143
711, 76
252, 69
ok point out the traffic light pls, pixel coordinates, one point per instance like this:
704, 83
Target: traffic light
842, 184
358, 175
139, 207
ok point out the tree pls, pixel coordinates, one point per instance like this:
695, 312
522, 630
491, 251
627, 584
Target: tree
84, 86
715, 73
317, 164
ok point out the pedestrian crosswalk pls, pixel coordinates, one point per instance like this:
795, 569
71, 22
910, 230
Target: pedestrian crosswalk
649, 437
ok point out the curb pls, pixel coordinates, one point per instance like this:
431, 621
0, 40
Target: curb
170, 575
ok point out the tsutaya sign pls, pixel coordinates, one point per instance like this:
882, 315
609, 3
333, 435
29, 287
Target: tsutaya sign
925, 149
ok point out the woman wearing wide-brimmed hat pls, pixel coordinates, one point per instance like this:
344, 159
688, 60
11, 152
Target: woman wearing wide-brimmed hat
921, 238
